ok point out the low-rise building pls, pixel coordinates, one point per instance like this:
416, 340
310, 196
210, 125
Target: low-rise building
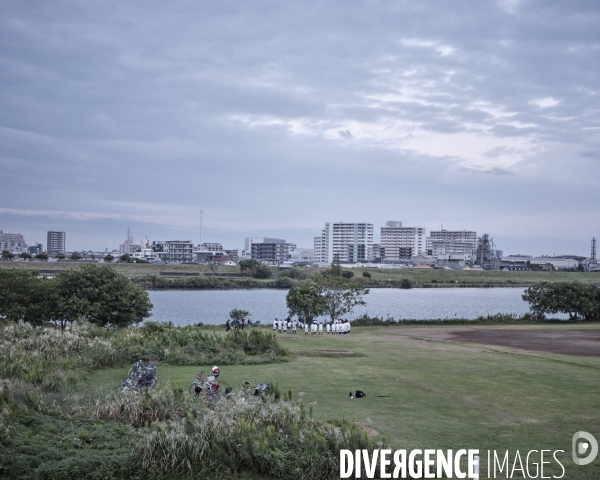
174, 251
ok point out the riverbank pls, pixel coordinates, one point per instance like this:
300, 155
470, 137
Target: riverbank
202, 277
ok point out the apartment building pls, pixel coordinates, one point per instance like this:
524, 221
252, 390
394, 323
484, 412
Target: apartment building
402, 243
13, 242
56, 243
273, 252
175, 251
349, 242
448, 242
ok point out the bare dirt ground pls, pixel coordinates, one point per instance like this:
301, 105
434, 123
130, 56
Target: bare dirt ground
580, 342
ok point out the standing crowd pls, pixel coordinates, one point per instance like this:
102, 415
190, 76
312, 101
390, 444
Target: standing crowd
284, 325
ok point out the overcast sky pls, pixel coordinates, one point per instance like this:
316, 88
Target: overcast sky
275, 117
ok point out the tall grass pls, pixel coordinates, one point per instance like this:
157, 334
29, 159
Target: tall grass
166, 434
58, 360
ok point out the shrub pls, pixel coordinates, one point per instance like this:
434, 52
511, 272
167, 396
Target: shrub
366, 274
347, 274
406, 283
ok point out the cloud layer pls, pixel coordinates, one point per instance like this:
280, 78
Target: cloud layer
276, 117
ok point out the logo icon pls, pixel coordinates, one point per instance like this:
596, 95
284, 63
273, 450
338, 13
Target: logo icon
582, 448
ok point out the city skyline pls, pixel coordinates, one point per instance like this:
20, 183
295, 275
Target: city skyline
276, 118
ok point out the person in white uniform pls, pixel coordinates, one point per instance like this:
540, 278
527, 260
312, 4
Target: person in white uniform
306, 329
328, 329
320, 329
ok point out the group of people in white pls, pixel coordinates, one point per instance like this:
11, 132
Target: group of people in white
286, 325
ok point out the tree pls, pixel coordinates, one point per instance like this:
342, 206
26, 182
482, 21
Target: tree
108, 258
25, 255
125, 258
366, 275
573, 298
247, 266
341, 295
237, 314
59, 256
306, 301
336, 268
254, 268
75, 256
41, 256
262, 271
347, 274
99, 295
6, 255
25, 297
406, 283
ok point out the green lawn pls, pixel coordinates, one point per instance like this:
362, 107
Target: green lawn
440, 394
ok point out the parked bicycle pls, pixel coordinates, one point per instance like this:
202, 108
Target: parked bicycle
207, 388
141, 375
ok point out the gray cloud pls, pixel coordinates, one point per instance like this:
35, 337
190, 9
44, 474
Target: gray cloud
151, 111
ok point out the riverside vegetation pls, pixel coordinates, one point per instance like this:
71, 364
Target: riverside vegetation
52, 427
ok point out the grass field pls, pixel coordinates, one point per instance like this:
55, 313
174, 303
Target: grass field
438, 393
379, 277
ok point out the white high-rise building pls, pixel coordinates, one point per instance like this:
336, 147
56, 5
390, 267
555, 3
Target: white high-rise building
350, 242
13, 242
445, 242
398, 242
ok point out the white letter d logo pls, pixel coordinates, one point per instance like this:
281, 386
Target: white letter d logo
583, 447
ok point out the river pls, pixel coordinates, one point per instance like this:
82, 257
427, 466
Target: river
184, 307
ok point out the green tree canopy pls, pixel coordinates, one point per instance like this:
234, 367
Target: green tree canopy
41, 256
108, 258
125, 258
75, 256
306, 301
6, 255
247, 266
578, 300
99, 295
25, 255
341, 295
262, 271
59, 256
25, 297
237, 314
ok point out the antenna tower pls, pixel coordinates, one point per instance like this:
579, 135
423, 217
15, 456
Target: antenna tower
593, 256
128, 241
200, 242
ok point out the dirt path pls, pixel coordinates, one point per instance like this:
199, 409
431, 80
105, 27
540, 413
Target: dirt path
580, 342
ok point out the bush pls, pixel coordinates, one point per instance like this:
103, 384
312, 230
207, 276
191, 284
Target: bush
406, 283
347, 274
366, 275
262, 271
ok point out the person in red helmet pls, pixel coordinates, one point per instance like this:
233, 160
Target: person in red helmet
215, 371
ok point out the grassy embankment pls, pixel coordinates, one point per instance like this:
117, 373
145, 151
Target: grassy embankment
53, 425
438, 394
201, 276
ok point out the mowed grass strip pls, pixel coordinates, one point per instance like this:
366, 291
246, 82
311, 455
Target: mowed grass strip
379, 276
435, 393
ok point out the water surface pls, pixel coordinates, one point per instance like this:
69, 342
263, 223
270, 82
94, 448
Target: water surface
184, 307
